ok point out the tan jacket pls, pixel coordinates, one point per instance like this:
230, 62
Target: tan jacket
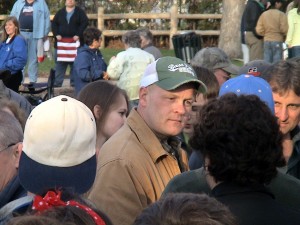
133, 170
273, 25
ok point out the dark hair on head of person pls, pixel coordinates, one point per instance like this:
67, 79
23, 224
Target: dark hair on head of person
273, 3
284, 76
102, 93
15, 109
15, 22
146, 33
132, 39
240, 138
186, 209
67, 207
209, 79
90, 34
35, 220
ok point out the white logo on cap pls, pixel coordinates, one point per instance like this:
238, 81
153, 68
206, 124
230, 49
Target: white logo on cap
184, 68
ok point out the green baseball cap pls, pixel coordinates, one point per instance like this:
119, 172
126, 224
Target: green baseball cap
170, 73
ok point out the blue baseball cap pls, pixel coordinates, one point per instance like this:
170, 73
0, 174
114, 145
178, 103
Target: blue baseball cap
249, 85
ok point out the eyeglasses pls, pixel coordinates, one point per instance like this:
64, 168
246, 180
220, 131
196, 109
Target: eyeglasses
8, 146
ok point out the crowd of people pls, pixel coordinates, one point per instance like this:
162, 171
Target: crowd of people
267, 31
150, 139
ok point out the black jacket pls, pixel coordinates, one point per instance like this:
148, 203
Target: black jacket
78, 23
252, 12
255, 205
293, 167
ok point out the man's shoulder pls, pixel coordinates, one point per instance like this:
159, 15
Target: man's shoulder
286, 189
137, 52
277, 12
253, 5
79, 10
122, 144
190, 182
61, 11
132, 141
152, 48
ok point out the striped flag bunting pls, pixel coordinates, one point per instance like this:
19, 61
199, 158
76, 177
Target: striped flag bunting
67, 49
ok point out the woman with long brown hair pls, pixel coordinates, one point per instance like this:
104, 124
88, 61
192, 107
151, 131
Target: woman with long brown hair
13, 53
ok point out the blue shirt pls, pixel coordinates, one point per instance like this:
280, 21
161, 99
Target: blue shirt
26, 16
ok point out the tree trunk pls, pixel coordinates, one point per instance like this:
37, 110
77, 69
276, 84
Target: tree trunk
230, 32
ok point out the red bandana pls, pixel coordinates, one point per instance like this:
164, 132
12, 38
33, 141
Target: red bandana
53, 199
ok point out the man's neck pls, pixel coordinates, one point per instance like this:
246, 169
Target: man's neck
287, 147
30, 1
69, 9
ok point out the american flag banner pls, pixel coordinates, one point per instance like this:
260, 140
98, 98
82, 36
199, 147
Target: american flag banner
67, 49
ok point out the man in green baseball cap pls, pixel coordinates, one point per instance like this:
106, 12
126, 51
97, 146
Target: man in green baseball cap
137, 162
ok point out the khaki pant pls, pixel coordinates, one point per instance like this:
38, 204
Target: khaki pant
256, 46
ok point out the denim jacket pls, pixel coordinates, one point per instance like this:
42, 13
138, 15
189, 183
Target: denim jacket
41, 17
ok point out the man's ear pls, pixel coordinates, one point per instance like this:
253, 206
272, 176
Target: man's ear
143, 93
17, 153
97, 112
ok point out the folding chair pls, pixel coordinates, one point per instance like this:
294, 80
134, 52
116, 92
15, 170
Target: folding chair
37, 88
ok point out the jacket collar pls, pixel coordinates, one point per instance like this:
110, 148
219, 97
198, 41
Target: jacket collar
295, 134
12, 39
145, 135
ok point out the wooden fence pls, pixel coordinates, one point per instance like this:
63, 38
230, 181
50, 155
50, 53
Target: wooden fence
173, 16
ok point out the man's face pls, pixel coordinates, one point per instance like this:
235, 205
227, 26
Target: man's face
70, 3
221, 76
144, 42
192, 117
164, 111
8, 165
287, 110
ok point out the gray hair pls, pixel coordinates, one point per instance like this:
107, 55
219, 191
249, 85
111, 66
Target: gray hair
11, 131
146, 33
132, 39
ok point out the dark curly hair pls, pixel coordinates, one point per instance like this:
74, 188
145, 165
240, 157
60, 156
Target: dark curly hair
90, 34
241, 138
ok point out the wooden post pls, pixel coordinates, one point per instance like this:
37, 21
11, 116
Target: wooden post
101, 24
173, 24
